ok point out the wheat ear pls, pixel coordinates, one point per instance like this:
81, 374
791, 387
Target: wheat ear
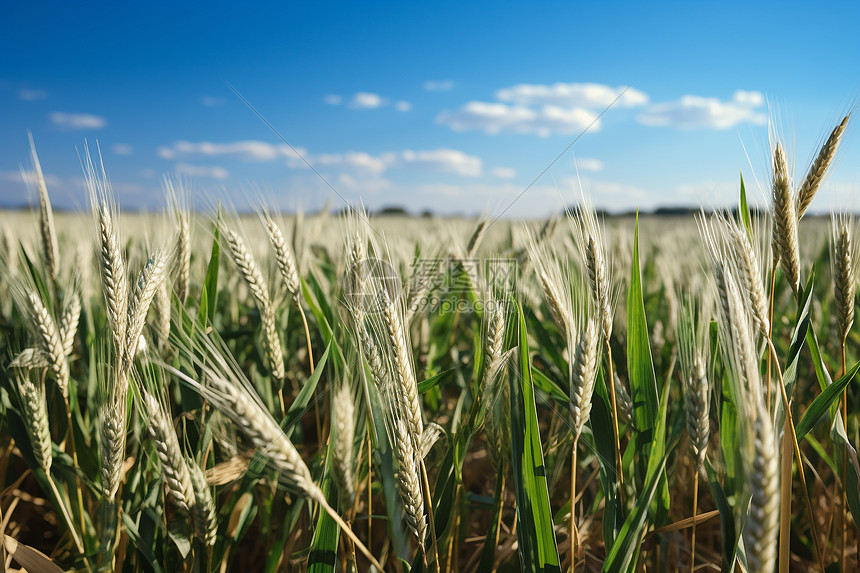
283, 256
408, 482
148, 282
203, 511
746, 264
818, 169
114, 280
69, 322
625, 402
46, 217
183, 256
762, 524
230, 398
112, 446
844, 275
407, 387
173, 468
342, 456
35, 417
785, 220
582, 377
50, 342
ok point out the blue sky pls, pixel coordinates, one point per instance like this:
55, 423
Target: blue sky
457, 108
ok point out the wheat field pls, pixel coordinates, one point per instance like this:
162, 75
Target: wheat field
207, 391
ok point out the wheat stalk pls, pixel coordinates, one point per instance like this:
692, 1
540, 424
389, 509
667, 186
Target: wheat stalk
408, 481
746, 265
150, 278
50, 341
342, 456
69, 322
785, 220
112, 429
162, 317
283, 256
173, 468
34, 414
625, 402
407, 387
114, 280
583, 373
203, 512
227, 390
476, 238
183, 256
818, 169
762, 524
844, 261
46, 217
247, 266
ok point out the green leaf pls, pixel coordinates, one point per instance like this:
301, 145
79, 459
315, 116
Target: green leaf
640, 365
727, 521
604, 444
209, 295
431, 382
823, 401
538, 549
300, 404
745, 212
323, 555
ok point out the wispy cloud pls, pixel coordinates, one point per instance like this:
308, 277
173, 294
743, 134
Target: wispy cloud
249, 150
403, 106
503, 172
438, 85
213, 171
589, 164
77, 120
438, 160
691, 112
366, 100
333, 99
495, 118
541, 109
122, 149
212, 101
588, 95
32, 95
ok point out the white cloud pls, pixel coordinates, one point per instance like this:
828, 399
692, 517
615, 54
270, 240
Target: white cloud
32, 95
333, 99
692, 112
30, 176
586, 95
245, 150
366, 100
122, 149
355, 160
503, 172
589, 164
358, 162
403, 106
214, 171
439, 85
443, 160
494, 118
78, 120
211, 101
